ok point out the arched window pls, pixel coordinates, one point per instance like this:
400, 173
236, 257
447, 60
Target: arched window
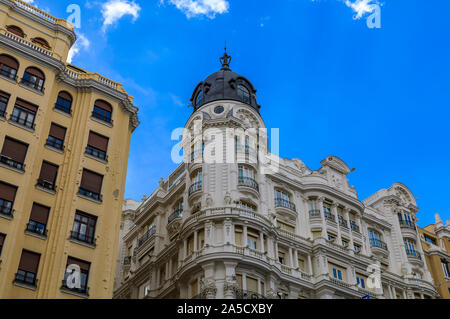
34, 78
15, 30
102, 111
41, 42
199, 98
64, 102
8, 66
243, 93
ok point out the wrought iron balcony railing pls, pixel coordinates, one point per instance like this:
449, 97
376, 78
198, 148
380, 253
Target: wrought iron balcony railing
249, 182
91, 240
90, 194
46, 184
314, 213
280, 202
354, 227
178, 213
329, 216
195, 187
25, 277
95, 152
147, 236
12, 163
413, 254
378, 243
37, 228
406, 224
23, 122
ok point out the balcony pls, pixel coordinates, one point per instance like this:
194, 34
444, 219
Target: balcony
329, 216
354, 227
379, 247
246, 294
46, 185
176, 214
342, 222
6, 208
83, 291
22, 122
83, 238
55, 143
194, 188
414, 257
149, 234
33, 85
91, 195
26, 278
248, 182
97, 153
127, 261
12, 163
283, 203
408, 229
314, 213
37, 228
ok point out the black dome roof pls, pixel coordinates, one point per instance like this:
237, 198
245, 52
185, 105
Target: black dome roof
224, 85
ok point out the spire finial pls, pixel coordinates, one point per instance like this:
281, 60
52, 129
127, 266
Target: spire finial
225, 59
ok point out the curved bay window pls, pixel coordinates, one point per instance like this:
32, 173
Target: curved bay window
246, 177
102, 111
405, 220
177, 211
15, 30
410, 247
34, 78
197, 182
64, 102
8, 66
243, 93
314, 208
283, 199
376, 240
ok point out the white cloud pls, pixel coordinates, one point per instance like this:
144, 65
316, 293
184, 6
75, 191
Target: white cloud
82, 43
361, 7
114, 10
209, 8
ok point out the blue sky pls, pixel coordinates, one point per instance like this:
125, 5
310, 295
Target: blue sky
377, 98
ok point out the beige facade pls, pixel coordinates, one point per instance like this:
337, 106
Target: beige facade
236, 229
435, 239
65, 135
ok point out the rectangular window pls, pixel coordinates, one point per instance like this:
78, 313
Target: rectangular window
238, 235
56, 136
102, 111
252, 284
84, 228
7, 197
445, 268
24, 113
13, 153
360, 282
28, 268
337, 274
91, 185
4, 98
47, 177
281, 257
252, 241
38, 219
2, 242
97, 146
287, 227
84, 266
430, 240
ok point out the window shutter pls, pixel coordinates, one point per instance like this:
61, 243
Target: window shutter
103, 105
7, 192
4, 59
84, 265
98, 141
57, 131
66, 96
39, 214
37, 73
14, 150
91, 181
26, 105
29, 261
252, 284
48, 172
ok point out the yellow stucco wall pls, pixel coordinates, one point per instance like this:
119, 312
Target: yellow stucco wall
56, 248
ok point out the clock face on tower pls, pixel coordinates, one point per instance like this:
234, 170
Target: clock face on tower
218, 109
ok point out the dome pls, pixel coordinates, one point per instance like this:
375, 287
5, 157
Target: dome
224, 85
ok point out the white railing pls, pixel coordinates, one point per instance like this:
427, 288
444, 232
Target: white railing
28, 44
35, 11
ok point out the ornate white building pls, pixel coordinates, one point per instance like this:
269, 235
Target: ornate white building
225, 229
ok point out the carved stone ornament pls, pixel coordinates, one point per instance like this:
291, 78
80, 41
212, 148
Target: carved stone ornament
227, 198
209, 201
230, 286
208, 288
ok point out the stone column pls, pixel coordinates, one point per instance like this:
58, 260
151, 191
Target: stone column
347, 218
310, 268
195, 241
185, 249
291, 259
322, 216
275, 243
230, 285
335, 214
261, 240
296, 259
244, 236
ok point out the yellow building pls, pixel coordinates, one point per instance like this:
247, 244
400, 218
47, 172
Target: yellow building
64, 140
435, 240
